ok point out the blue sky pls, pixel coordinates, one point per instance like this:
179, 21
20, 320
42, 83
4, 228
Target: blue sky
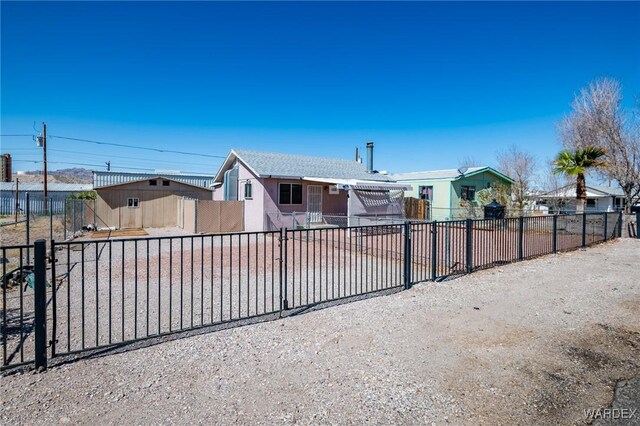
428, 82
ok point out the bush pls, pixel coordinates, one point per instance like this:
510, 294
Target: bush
83, 195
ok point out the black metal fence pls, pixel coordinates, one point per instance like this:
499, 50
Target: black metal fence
101, 293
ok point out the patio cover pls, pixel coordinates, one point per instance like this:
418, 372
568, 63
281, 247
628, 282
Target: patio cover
348, 184
370, 203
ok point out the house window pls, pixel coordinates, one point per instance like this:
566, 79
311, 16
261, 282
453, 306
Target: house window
231, 184
468, 193
290, 193
248, 190
425, 193
591, 203
133, 202
153, 182
165, 183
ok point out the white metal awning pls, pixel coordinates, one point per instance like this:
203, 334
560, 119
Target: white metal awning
348, 184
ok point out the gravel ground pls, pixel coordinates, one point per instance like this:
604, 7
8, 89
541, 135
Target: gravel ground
533, 342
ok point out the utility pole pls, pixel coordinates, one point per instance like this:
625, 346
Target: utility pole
44, 149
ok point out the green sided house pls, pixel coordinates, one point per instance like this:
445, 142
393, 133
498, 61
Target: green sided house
445, 189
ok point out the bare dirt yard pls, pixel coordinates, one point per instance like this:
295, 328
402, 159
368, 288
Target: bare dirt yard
540, 341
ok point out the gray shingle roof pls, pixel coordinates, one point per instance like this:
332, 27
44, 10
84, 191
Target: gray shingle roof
609, 190
298, 166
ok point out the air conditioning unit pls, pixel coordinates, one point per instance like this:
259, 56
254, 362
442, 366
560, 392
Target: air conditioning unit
334, 190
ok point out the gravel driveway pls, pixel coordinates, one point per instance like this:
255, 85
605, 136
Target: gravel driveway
538, 341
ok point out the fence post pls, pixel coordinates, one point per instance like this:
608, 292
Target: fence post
555, 233
40, 304
604, 231
64, 220
407, 255
620, 225
469, 245
54, 308
50, 219
195, 216
584, 229
283, 288
28, 211
286, 268
520, 237
638, 224
434, 250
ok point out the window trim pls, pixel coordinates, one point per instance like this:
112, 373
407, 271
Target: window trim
248, 186
290, 203
133, 202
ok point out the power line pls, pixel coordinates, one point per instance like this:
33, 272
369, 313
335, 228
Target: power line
98, 165
101, 156
137, 147
6, 136
92, 154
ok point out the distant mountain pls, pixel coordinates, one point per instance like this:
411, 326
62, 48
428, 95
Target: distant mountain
76, 175
73, 175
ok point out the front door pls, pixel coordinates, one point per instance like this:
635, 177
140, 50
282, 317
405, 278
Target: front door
131, 213
314, 203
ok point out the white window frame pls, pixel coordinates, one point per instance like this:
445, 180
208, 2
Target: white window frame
250, 186
133, 202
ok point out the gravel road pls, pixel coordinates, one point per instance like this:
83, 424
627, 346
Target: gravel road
533, 342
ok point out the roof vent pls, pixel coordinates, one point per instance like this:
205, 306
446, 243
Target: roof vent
463, 170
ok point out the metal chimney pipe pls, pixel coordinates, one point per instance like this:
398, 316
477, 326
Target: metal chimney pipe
370, 157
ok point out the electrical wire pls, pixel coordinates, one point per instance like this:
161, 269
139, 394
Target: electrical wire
99, 165
137, 147
101, 156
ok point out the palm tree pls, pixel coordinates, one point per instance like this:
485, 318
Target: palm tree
578, 163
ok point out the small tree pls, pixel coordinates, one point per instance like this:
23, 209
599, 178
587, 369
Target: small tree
521, 167
468, 161
577, 164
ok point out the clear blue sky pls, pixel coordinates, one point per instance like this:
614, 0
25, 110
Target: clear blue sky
428, 82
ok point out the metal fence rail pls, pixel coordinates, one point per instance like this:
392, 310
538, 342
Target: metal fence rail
334, 263
100, 293
18, 312
116, 291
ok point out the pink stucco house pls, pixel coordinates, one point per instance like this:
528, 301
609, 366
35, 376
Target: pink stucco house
292, 191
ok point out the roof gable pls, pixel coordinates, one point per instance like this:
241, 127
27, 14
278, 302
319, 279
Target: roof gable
276, 165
